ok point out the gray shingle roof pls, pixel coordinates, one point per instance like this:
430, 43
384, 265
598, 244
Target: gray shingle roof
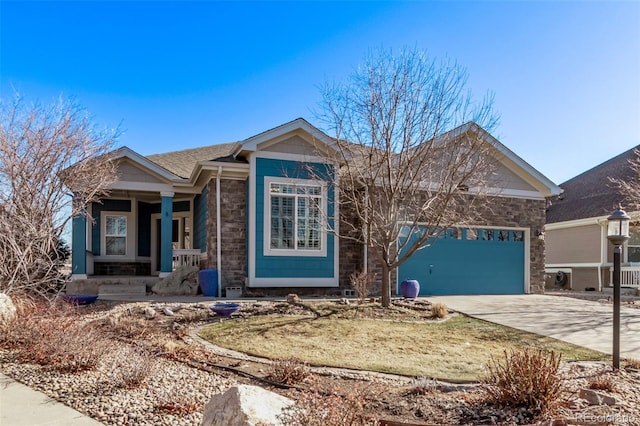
182, 163
591, 194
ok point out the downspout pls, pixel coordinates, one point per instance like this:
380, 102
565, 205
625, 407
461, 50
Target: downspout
218, 232
603, 251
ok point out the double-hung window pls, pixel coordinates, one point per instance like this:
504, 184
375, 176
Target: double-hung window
115, 235
295, 218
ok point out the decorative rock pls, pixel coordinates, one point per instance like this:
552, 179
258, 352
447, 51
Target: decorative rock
343, 301
292, 298
7, 310
245, 405
168, 312
596, 398
149, 313
182, 281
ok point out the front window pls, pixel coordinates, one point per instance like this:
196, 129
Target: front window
296, 216
116, 235
633, 245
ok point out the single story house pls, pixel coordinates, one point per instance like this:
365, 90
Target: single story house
247, 209
579, 255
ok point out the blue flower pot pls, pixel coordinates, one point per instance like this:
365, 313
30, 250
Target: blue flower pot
208, 280
224, 309
410, 289
80, 299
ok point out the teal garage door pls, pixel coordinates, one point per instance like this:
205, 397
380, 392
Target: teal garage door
469, 261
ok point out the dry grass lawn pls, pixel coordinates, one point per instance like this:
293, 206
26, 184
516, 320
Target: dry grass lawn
456, 349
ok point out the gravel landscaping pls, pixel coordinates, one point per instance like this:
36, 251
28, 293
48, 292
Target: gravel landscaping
180, 375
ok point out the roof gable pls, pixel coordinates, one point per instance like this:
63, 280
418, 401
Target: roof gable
591, 194
518, 174
129, 171
144, 163
316, 139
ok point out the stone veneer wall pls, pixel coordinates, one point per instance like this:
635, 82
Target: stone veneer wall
502, 211
233, 218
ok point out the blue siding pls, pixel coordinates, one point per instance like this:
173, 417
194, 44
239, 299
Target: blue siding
462, 266
290, 266
200, 221
109, 206
166, 227
79, 245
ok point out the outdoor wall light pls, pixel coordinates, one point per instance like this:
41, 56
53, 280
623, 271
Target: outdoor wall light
618, 227
617, 233
540, 234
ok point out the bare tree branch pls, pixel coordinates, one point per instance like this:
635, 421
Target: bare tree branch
45, 152
405, 175
630, 187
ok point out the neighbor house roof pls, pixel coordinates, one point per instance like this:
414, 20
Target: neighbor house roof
182, 163
591, 194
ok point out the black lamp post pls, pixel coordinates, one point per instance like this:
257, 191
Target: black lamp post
617, 233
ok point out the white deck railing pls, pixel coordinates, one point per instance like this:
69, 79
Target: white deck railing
186, 257
629, 276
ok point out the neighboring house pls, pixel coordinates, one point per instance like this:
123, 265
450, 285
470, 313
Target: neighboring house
578, 252
248, 209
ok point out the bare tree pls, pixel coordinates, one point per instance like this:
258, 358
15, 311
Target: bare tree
412, 150
629, 183
45, 152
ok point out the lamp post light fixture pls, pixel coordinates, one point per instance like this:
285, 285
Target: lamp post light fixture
617, 233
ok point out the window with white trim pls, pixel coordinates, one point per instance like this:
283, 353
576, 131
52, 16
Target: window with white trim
295, 216
115, 235
633, 244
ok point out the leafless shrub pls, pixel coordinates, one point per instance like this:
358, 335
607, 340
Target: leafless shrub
360, 282
527, 379
54, 336
179, 351
128, 326
423, 386
439, 310
633, 364
330, 408
127, 367
602, 382
173, 401
288, 371
38, 145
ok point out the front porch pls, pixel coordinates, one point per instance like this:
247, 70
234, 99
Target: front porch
139, 234
629, 277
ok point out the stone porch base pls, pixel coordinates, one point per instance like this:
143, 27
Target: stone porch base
112, 285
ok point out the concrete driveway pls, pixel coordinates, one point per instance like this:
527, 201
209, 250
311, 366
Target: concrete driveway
582, 322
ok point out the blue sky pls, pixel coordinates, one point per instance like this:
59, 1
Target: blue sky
174, 75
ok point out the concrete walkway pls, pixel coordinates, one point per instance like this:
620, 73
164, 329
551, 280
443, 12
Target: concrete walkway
21, 405
581, 322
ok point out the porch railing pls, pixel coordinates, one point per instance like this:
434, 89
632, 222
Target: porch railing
629, 276
186, 257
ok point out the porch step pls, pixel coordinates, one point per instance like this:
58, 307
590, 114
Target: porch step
122, 289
